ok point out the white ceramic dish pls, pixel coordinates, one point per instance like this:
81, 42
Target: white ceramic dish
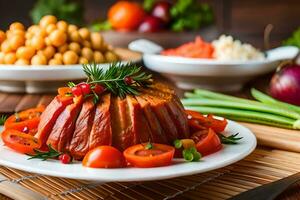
41, 79
228, 155
191, 73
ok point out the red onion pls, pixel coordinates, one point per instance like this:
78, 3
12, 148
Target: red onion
285, 84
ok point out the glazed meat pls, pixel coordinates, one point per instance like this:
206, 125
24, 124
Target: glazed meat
155, 115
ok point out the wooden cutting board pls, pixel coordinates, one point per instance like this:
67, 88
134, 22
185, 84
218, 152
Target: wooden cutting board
278, 138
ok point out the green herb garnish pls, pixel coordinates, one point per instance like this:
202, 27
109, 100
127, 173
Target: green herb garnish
231, 139
177, 144
3, 118
191, 154
113, 79
44, 155
148, 146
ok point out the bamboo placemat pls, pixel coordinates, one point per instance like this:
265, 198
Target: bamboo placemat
261, 167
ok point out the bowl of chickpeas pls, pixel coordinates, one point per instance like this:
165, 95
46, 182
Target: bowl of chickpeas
51, 53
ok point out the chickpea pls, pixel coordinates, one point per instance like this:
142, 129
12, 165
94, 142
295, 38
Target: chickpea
46, 20
16, 41
63, 48
62, 25
33, 28
72, 28
97, 40
16, 25
25, 52
9, 33
58, 56
74, 47
47, 41
2, 36
10, 58
54, 61
111, 56
22, 62
87, 53
70, 57
75, 37
18, 32
84, 33
49, 52
83, 60
39, 59
40, 33
2, 57
38, 43
98, 57
5, 47
58, 38
28, 43
87, 44
50, 28
29, 35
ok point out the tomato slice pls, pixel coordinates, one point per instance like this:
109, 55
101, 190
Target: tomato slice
28, 118
207, 141
104, 157
158, 155
19, 141
197, 121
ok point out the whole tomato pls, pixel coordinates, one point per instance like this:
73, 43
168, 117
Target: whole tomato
125, 15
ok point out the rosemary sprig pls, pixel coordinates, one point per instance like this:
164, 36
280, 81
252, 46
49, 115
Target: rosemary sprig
44, 155
113, 79
231, 139
3, 118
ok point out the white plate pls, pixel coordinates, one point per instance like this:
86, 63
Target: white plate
228, 155
191, 73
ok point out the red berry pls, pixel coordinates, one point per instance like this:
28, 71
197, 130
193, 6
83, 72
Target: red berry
65, 158
99, 89
128, 80
85, 87
25, 129
77, 91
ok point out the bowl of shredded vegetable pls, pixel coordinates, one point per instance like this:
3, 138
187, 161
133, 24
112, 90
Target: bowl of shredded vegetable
224, 64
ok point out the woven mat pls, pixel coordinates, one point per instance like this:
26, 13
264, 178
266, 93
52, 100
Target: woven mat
261, 167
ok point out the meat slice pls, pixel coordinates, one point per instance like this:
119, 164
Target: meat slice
101, 132
50, 115
159, 107
175, 108
157, 133
63, 129
140, 128
79, 144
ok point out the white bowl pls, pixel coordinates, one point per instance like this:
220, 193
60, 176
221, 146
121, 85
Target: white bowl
44, 78
191, 73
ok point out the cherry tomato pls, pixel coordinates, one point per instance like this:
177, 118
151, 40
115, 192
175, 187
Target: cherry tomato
151, 24
28, 118
99, 89
77, 91
125, 15
19, 141
158, 155
85, 88
104, 157
65, 158
162, 11
196, 118
207, 141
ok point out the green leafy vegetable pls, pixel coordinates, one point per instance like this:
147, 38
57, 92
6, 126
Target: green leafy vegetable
148, 5
3, 118
231, 139
101, 26
70, 11
44, 155
148, 146
294, 40
190, 14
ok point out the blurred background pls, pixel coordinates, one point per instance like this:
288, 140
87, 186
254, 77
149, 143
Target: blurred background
245, 19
